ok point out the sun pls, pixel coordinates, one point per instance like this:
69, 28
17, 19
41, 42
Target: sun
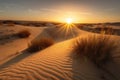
69, 20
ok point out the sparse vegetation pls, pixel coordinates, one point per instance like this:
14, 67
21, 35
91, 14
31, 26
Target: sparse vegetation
40, 44
97, 48
9, 22
1, 23
23, 34
106, 30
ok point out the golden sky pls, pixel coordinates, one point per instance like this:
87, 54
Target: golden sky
81, 11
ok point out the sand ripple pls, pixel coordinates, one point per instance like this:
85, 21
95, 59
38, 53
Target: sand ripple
54, 63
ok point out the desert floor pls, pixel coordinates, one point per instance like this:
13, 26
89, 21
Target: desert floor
57, 62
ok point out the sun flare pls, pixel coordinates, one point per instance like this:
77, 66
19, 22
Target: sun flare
69, 20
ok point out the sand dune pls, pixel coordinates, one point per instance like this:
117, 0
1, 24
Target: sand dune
11, 46
62, 33
57, 62
43, 66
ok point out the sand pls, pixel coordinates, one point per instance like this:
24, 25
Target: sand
50, 64
11, 46
57, 62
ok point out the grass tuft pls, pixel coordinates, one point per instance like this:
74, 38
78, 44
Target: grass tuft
97, 48
23, 34
40, 44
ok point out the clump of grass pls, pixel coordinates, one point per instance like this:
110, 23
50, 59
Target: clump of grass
23, 34
97, 48
107, 30
1, 23
40, 44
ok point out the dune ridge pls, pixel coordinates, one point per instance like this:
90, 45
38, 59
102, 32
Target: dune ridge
49, 64
41, 66
56, 63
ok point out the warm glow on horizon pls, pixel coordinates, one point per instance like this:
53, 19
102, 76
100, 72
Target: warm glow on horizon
80, 11
69, 20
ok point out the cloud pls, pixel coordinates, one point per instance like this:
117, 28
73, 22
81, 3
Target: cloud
50, 10
44, 11
85, 13
110, 9
32, 11
11, 6
1, 11
69, 12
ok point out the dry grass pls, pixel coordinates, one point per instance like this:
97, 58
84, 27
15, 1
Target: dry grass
1, 23
96, 48
107, 30
11, 24
40, 44
23, 34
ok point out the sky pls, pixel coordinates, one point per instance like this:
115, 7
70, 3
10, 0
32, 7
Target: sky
82, 11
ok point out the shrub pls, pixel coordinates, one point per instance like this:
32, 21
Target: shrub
40, 44
9, 22
1, 23
23, 34
107, 30
97, 48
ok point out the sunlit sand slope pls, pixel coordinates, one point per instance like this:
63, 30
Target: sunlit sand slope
54, 63
58, 62
10, 46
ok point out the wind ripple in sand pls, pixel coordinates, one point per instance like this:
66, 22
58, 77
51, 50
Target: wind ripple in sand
54, 63
41, 66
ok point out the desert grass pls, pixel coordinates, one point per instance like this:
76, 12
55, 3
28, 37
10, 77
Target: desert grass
40, 44
97, 48
1, 23
23, 34
107, 30
10, 24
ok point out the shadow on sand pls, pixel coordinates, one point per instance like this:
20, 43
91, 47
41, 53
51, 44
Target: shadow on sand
86, 70
17, 57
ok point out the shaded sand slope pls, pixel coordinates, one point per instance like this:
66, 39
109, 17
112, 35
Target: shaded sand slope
58, 62
12, 47
63, 33
48, 32
58, 34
